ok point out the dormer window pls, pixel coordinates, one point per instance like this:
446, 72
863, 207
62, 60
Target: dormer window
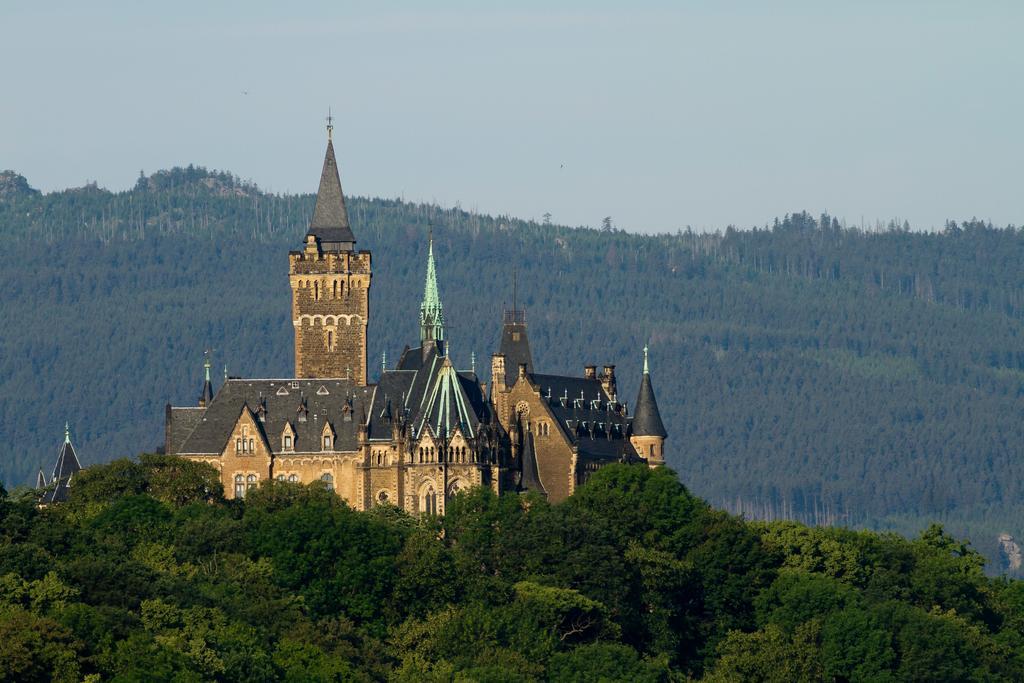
327, 442
287, 442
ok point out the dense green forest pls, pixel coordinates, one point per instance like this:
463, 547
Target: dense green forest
870, 378
148, 573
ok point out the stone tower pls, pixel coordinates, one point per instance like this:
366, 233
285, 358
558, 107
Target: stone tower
648, 432
330, 284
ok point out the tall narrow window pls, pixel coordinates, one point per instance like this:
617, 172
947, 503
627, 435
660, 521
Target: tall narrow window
652, 450
328, 480
250, 482
316, 291
335, 289
238, 445
239, 486
330, 340
327, 442
252, 446
287, 442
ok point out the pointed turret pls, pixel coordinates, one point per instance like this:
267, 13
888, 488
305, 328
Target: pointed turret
330, 223
648, 431
515, 345
41, 480
67, 466
431, 310
206, 396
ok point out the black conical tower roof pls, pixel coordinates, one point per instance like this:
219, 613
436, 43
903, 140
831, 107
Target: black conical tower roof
646, 416
66, 467
330, 217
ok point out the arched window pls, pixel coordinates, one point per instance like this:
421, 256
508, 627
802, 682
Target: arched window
328, 480
250, 482
379, 459
335, 289
429, 501
239, 486
238, 445
252, 446
280, 477
316, 291
382, 498
293, 478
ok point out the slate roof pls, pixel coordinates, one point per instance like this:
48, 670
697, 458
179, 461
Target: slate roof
63, 471
180, 424
530, 479
427, 390
330, 217
587, 416
647, 417
305, 404
516, 350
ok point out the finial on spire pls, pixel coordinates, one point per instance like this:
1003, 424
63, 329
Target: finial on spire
67, 432
330, 125
472, 361
384, 360
206, 364
647, 370
225, 372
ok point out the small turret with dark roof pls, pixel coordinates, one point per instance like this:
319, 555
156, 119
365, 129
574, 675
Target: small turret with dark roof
206, 397
647, 430
66, 467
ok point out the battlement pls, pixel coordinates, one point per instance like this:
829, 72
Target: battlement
320, 263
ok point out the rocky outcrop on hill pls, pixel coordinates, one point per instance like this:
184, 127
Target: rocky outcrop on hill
1009, 553
14, 185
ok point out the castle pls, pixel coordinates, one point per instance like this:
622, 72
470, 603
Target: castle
425, 430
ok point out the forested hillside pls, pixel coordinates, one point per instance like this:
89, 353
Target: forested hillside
803, 369
147, 573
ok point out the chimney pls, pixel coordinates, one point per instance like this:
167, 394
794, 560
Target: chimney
589, 372
608, 381
498, 372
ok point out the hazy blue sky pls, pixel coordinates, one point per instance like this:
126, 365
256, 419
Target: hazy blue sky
660, 115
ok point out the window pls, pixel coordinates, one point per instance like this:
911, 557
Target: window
252, 445
335, 289
250, 482
328, 481
382, 498
238, 445
288, 442
316, 291
239, 486
280, 477
330, 340
651, 450
327, 441
429, 501
293, 478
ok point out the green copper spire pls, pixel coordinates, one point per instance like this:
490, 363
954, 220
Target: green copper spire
647, 370
431, 311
